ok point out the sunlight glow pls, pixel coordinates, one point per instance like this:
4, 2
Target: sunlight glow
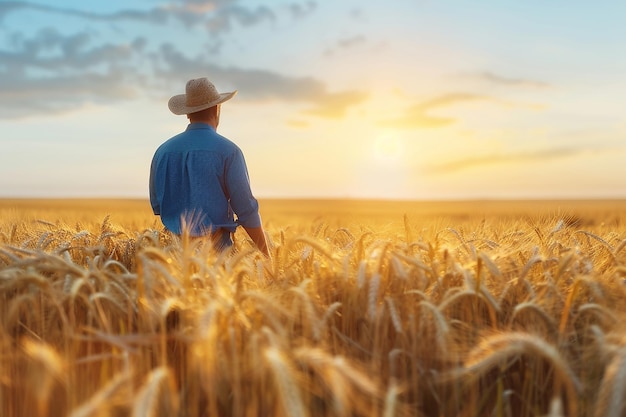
386, 172
388, 148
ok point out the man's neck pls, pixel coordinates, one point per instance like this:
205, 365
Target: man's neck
210, 122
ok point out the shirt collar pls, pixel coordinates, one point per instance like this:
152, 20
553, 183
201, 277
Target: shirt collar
199, 125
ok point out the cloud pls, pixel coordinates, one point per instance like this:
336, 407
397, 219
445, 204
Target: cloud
10, 6
335, 105
351, 41
202, 6
217, 16
46, 71
357, 14
261, 85
49, 50
417, 115
516, 157
25, 97
51, 73
302, 10
155, 15
450, 99
416, 118
345, 44
507, 81
298, 124
255, 84
223, 18
76, 72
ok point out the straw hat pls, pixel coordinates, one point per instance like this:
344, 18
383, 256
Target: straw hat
200, 94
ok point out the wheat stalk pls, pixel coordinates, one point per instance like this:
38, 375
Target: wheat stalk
391, 400
610, 402
286, 387
47, 367
158, 396
98, 403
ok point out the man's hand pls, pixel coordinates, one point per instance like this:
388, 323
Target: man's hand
258, 237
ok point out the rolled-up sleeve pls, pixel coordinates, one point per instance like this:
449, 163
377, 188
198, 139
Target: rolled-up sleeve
237, 183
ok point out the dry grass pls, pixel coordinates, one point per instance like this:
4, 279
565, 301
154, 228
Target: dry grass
366, 309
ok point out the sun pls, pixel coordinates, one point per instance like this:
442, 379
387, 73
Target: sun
386, 173
388, 149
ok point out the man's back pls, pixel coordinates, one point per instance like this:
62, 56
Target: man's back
201, 177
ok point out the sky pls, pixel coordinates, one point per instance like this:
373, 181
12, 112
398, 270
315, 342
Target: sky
398, 99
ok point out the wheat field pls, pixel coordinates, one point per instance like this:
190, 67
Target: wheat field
365, 309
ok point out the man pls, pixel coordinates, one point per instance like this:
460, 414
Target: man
199, 179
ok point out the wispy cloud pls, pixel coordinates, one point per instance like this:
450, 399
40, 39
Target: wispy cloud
351, 41
450, 99
345, 44
497, 79
537, 155
216, 16
335, 105
155, 15
224, 18
49, 50
301, 10
22, 98
417, 116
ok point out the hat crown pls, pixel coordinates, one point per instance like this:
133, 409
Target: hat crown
200, 94
200, 91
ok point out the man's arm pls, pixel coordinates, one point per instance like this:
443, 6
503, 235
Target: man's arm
156, 208
258, 237
243, 202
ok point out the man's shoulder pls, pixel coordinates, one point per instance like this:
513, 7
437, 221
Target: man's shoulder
205, 139
174, 138
165, 146
227, 143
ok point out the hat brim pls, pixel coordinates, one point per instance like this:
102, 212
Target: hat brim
177, 103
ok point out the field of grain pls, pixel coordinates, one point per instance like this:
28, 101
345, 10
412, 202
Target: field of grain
365, 309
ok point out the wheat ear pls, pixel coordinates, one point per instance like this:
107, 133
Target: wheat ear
496, 350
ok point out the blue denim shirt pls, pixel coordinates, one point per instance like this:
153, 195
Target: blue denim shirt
199, 178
